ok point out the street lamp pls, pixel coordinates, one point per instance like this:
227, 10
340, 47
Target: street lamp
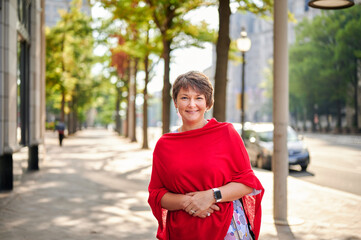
243, 44
331, 4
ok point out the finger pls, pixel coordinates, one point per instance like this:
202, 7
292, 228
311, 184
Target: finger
200, 213
188, 208
215, 207
197, 214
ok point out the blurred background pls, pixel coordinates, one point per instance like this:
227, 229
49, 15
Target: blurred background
67, 66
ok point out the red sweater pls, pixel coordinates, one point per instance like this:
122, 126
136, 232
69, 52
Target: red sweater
199, 160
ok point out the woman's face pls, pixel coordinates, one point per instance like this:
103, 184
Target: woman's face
191, 106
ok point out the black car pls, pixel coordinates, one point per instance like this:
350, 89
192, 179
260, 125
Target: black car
258, 139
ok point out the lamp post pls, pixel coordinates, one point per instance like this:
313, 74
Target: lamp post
331, 4
243, 44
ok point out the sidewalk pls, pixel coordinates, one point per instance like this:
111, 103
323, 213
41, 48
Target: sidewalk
95, 187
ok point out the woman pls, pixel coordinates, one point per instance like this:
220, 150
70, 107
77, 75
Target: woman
200, 171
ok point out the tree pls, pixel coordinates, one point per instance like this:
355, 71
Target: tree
69, 60
174, 29
141, 45
120, 61
222, 48
324, 55
348, 50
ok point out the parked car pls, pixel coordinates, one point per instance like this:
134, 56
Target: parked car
258, 139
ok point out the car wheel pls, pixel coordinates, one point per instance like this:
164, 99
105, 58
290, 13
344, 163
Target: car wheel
304, 168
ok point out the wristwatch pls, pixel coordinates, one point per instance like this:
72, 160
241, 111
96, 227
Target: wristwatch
217, 194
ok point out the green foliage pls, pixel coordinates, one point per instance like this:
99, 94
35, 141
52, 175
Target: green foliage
69, 58
105, 97
322, 62
263, 7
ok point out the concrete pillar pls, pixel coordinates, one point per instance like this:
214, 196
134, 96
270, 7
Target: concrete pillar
36, 86
8, 92
280, 112
2, 85
33, 94
42, 71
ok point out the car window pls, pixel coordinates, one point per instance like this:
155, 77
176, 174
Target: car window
291, 135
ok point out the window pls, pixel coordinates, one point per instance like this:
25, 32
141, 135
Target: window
23, 70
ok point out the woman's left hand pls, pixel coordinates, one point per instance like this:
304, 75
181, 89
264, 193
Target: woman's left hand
201, 203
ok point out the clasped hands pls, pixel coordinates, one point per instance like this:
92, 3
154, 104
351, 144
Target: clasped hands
200, 204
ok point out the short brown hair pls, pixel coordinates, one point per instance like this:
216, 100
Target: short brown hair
196, 80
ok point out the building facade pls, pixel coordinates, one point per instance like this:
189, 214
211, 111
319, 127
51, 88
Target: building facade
258, 60
22, 84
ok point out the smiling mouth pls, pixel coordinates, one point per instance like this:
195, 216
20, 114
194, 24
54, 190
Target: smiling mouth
194, 111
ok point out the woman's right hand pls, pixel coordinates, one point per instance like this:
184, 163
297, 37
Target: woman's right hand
209, 211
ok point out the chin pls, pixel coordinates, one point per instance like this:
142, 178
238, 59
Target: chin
192, 120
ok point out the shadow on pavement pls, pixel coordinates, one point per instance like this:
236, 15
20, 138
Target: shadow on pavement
91, 188
299, 174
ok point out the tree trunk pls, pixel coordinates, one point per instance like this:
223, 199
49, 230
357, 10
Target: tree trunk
145, 96
296, 119
117, 109
126, 127
166, 98
131, 101
328, 128
134, 105
75, 114
222, 48
339, 116
62, 110
304, 119
355, 120
70, 117
145, 104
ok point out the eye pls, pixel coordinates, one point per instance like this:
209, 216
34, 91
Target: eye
183, 98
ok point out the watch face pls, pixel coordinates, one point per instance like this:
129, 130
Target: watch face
217, 194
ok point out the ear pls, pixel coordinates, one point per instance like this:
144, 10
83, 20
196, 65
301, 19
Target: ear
175, 104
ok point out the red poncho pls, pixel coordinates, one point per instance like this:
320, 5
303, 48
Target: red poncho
199, 160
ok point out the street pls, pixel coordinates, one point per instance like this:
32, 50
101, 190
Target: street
335, 162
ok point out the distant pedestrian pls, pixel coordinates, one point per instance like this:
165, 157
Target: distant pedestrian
200, 171
60, 127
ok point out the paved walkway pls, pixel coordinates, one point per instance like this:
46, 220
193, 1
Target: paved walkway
95, 187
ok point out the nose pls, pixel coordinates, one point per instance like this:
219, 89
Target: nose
192, 103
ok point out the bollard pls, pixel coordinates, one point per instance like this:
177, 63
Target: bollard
6, 172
